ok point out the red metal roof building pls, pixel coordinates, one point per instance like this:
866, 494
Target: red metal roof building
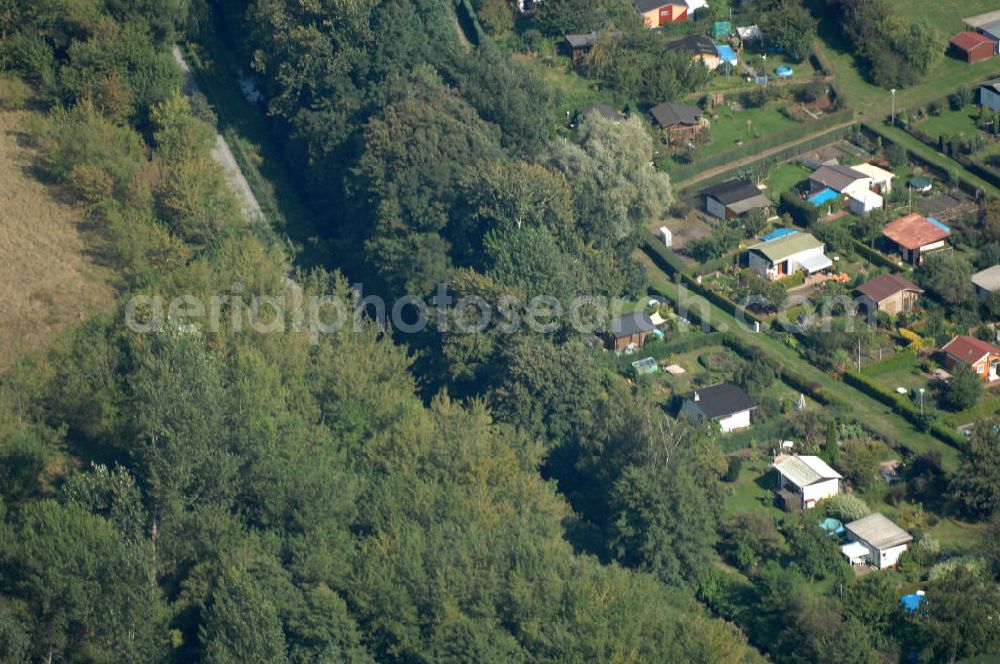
973, 46
915, 235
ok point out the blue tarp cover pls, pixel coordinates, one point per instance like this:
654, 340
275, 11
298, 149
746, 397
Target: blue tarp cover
938, 224
726, 53
912, 602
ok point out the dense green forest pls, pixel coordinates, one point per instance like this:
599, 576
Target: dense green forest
226, 495
230, 496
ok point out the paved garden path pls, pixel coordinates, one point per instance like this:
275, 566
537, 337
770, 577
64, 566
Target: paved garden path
222, 154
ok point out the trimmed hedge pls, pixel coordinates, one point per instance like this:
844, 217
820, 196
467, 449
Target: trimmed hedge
900, 404
790, 377
721, 301
803, 213
762, 164
873, 256
663, 256
964, 183
948, 435
467, 16
983, 409
903, 406
669, 262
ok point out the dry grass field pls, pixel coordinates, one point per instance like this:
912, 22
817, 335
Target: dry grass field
48, 278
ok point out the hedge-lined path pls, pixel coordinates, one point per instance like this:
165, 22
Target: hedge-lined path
877, 416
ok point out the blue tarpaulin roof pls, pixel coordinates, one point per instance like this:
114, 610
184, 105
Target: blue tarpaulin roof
938, 224
912, 602
823, 197
726, 53
777, 233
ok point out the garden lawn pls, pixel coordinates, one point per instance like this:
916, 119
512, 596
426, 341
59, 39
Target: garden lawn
785, 177
945, 16
949, 123
750, 492
908, 377
732, 126
947, 76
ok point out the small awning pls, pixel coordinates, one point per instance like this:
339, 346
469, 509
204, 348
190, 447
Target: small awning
855, 552
813, 264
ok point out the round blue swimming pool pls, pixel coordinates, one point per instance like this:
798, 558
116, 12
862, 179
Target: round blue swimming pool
783, 71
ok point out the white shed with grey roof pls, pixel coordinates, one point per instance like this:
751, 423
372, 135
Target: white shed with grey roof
808, 478
884, 540
986, 281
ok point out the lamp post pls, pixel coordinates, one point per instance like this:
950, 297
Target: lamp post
893, 115
921, 402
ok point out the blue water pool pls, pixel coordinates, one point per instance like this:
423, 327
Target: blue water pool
783, 71
777, 233
832, 526
822, 197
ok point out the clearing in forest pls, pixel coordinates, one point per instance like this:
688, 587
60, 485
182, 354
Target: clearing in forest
48, 274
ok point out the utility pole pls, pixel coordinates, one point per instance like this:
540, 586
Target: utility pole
859, 354
893, 116
921, 402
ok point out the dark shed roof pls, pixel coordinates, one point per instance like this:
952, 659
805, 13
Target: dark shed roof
700, 44
731, 191
722, 400
644, 6
631, 323
669, 114
887, 285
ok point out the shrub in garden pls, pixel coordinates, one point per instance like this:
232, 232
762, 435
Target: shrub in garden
845, 507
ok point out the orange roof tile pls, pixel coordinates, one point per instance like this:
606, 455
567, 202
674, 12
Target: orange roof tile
969, 349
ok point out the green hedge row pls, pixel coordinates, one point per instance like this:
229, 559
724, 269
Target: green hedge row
900, 404
467, 17
670, 263
873, 256
983, 409
721, 301
803, 213
788, 376
973, 167
763, 164
964, 183
664, 257
903, 406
